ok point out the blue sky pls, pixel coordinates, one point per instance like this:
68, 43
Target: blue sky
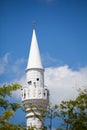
61, 29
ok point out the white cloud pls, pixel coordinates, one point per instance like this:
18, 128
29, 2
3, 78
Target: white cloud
62, 82
3, 63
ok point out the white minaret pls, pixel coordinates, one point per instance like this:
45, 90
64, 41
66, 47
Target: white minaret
35, 93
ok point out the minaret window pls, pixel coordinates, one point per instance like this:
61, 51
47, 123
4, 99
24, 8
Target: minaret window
37, 79
30, 82
35, 84
24, 94
44, 93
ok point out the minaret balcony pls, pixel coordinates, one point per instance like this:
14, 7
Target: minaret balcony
34, 93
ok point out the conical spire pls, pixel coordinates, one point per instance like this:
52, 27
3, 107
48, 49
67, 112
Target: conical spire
34, 60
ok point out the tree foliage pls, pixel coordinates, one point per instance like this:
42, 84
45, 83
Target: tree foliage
8, 108
74, 112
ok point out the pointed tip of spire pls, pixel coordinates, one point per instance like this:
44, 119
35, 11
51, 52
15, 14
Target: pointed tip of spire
33, 25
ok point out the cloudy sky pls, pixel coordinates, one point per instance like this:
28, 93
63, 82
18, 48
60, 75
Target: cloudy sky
61, 29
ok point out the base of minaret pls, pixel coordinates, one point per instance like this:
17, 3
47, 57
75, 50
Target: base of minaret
34, 115
34, 120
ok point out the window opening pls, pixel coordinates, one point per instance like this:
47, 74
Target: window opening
30, 82
44, 93
24, 94
35, 84
37, 79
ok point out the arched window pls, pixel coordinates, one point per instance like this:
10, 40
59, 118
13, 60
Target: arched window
24, 93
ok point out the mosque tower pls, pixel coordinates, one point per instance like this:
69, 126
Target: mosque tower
35, 93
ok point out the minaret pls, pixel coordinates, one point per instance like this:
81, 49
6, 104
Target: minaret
35, 93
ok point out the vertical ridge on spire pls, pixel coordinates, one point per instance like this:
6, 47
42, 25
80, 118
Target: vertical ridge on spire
34, 60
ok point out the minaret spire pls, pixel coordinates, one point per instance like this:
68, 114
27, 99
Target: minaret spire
34, 60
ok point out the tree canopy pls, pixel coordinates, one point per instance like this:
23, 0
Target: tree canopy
72, 113
8, 108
